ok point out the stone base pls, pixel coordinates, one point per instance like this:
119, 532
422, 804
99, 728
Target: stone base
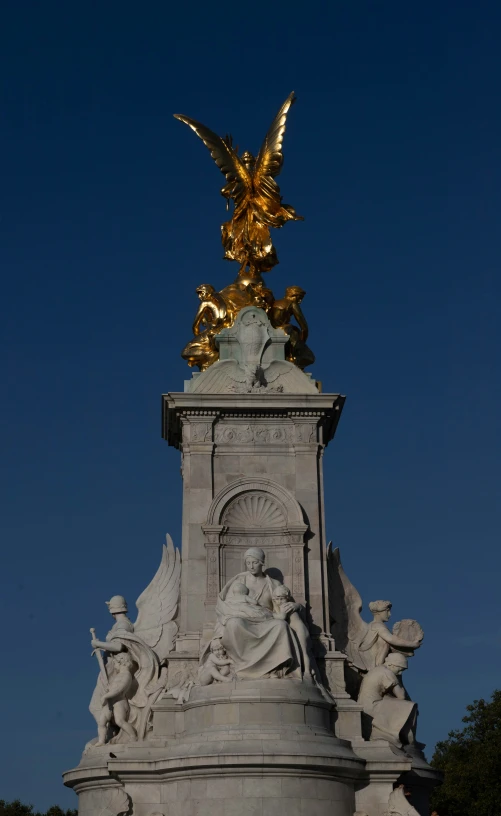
245, 748
257, 748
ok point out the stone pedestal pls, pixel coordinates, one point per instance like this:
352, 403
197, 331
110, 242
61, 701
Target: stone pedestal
252, 477
236, 748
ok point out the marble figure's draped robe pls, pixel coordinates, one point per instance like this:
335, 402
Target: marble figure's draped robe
258, 643
145, 676
389, 714
373, 649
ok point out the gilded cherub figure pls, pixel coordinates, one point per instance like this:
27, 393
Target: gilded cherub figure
211, 317
281, 315
252, 187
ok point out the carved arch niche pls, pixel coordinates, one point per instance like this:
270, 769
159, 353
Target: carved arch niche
255, 512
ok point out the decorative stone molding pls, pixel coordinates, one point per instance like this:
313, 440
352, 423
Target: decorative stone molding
197, 427
254, 509
256, 541
241, 510
322, 409
284, 499
306, 432
201, 431
108, 802
258, 434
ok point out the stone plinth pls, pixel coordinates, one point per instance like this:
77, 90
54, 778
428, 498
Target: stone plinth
236, 748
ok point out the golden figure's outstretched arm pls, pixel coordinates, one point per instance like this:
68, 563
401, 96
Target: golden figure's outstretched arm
303, 325
224, 156
270, 159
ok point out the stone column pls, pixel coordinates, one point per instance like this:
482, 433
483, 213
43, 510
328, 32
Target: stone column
235, 448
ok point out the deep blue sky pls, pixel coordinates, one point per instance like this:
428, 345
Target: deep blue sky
109, 219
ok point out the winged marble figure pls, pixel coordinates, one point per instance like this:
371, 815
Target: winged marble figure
367, 645
399, 805
256, 195
133, 667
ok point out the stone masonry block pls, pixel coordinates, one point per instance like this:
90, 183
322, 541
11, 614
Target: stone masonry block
224, 787
282, 807
259, 713
168, 791
226, 714
264, 786
242, 807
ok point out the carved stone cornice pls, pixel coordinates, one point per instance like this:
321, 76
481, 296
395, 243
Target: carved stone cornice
324, 410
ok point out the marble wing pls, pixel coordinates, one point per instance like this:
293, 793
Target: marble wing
345, 605
157, 605
399, 805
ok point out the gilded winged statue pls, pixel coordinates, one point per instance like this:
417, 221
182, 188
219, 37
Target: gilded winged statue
256, 195
132, 669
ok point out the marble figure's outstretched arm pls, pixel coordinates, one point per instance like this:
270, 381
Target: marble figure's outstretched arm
397, 642
107, 645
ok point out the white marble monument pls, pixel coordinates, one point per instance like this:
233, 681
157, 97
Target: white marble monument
250, 683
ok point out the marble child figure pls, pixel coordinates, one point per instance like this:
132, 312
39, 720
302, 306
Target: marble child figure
287, 610
115, 703
217, 666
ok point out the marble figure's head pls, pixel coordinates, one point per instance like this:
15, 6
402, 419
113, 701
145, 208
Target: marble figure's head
217, 646
117, 604
381, 609
281, 594
396, 662
124, 659
254, 560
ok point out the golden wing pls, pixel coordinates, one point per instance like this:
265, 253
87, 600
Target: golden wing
224, 156
270, 159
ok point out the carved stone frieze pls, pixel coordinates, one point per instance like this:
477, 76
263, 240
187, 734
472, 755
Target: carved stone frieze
201, 431
306, 432
181, 671
212, 573
254, 541
298, 572
247, 434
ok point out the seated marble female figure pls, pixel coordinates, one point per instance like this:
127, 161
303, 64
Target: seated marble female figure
258, 639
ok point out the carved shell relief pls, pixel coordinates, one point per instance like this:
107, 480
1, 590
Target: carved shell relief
254, 510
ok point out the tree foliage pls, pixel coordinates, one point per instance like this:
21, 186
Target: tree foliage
17, 808
471, 762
